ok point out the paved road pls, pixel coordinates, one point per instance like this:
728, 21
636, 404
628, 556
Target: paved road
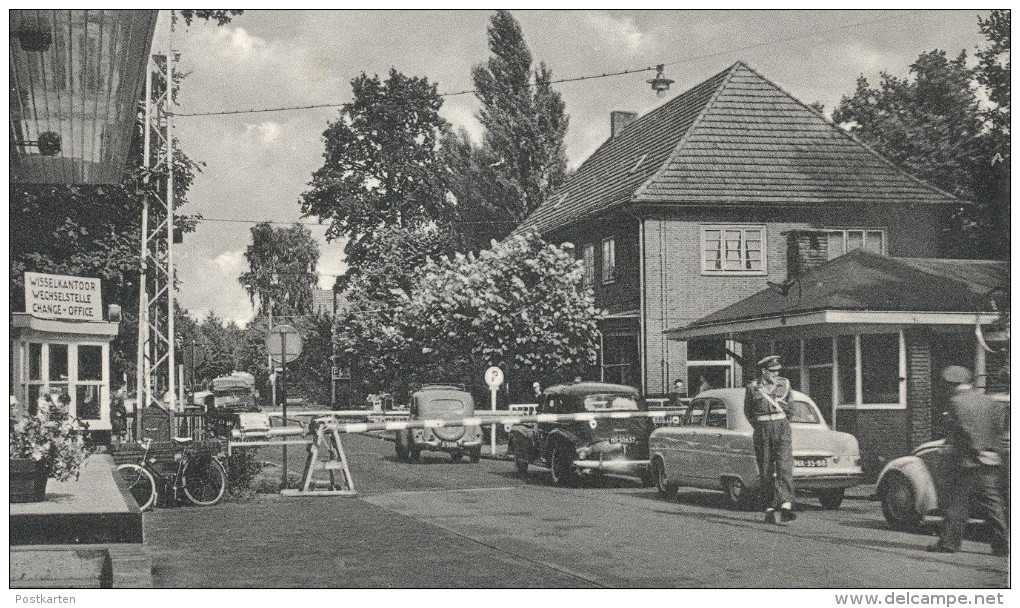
438, 523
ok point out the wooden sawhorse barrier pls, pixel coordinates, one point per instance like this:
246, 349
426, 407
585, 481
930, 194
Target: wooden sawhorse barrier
327, 441
255, 430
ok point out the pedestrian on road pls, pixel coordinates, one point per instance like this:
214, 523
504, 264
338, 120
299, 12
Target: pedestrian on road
975, 439
536, 389
766, 405
679, 393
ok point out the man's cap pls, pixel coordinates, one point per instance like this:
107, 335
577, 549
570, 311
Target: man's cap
770, 362
956, 374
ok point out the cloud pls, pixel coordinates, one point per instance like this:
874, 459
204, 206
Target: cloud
230, 262
268, 131
617, 31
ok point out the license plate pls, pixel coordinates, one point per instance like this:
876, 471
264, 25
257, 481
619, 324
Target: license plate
450, 444
810, 462
624, 439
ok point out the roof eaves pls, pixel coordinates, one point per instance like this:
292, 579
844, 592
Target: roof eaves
850, 136
686, 136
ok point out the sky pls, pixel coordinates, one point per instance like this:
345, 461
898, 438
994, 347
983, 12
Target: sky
258, 164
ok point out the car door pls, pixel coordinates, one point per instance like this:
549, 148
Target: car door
690, 444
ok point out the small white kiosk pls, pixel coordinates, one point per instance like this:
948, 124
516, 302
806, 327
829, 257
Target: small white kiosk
60, 346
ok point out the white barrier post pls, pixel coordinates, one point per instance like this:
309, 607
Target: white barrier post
494, 378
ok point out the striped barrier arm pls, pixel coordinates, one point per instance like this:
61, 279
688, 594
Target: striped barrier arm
400, 425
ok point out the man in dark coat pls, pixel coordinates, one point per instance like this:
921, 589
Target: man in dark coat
766, 405
975, 441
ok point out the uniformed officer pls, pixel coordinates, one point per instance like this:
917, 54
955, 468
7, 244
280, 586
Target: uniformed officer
766, 405
975, 437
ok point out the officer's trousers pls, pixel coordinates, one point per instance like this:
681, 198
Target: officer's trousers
773, 448
975, 489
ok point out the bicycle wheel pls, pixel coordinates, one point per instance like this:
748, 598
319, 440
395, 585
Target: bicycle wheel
203, 480
140, 483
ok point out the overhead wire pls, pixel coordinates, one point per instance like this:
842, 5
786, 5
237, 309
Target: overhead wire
812, 34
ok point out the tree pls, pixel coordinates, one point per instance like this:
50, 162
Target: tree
934, 126
281, 264
519, 305
523, 157
376, 296
382, 166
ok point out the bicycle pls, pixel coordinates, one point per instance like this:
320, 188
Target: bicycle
200, 476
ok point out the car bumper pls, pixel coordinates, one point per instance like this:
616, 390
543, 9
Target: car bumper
448, 445
619, 466
828, 481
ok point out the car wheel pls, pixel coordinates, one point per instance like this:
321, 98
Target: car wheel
737, 493
562, 465
898, 502
521, 458
831, 499
456, 455
665, 487
476, 454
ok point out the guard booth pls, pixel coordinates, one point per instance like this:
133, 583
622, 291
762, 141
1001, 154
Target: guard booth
60, 349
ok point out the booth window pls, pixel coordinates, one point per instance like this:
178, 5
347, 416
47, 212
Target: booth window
90, 381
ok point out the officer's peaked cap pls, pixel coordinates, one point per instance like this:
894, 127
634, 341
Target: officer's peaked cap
770, 362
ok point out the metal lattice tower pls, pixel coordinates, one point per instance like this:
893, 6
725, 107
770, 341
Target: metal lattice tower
156, 362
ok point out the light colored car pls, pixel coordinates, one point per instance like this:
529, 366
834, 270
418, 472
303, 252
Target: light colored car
440, 402
712, 448
914, 486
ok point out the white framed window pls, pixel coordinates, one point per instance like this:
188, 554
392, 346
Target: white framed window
733, 249
844, 241
76, 371
589, 265
608, 260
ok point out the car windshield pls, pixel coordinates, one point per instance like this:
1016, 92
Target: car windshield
803, 412
603, 402
444, 406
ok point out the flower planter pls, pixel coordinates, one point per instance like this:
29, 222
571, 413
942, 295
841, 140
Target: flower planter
28, 480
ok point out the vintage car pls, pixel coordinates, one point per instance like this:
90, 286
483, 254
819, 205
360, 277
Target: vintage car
914, 486
712, 448
598, 445
440, 402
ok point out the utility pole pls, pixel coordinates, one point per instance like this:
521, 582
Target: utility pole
156, 356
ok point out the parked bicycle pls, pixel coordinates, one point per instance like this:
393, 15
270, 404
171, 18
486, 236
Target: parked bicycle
199, 475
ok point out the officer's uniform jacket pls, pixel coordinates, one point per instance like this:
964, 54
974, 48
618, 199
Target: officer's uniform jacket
976, 428
755, 403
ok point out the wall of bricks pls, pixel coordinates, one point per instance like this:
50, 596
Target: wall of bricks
804, 251
919, 380
881, 434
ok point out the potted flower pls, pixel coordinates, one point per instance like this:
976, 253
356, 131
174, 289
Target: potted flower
49, 445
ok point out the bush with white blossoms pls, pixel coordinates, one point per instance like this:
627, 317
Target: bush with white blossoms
51, 437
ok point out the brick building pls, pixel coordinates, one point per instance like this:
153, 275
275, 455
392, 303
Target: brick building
693, 206
867, 335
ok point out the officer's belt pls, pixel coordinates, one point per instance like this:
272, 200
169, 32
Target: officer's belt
765, 417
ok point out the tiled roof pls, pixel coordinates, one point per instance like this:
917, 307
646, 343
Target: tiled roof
735, 139
861, 280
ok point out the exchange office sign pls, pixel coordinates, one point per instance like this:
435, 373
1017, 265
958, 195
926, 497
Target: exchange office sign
53, 296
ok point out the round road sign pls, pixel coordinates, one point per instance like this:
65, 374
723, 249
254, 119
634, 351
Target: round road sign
283, 343
494, 377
